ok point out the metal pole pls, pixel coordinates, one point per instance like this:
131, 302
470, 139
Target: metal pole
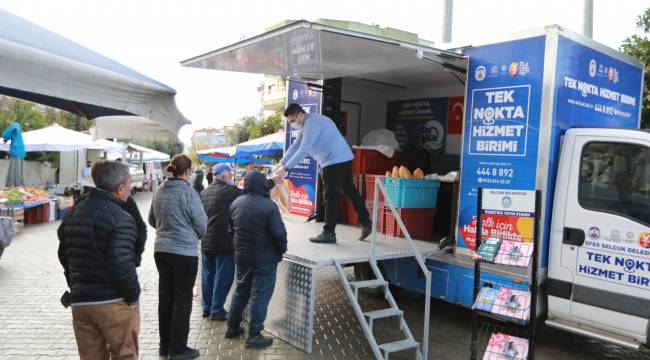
588, 19
447, 12
477, 275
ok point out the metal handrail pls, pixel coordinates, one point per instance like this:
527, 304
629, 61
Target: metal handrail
379, 186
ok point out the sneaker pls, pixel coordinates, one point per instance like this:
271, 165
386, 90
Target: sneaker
188, 353
205, 314
324, 238
232, 333
366, 230
220, 317
259, 342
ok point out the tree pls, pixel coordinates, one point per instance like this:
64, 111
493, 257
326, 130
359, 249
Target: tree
241, 130
639, 47
267, 126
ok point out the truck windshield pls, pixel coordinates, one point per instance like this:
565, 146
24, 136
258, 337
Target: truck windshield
615, 178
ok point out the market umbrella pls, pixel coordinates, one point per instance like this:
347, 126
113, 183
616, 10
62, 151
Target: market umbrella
16, 153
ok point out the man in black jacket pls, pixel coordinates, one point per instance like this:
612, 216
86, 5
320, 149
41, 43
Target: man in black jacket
217, 252
97, 242
260, 239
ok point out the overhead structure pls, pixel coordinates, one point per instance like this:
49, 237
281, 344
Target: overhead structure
41, 66
58, 138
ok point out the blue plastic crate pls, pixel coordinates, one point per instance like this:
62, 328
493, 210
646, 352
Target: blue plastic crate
412, 193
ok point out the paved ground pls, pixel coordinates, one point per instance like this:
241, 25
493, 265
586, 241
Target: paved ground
33, 324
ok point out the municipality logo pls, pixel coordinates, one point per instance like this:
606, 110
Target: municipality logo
479, 74
592, 68
294, 95
506, 202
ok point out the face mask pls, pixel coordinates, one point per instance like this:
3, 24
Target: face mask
296, 126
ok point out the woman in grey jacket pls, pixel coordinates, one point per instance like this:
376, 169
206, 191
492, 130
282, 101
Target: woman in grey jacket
179, 219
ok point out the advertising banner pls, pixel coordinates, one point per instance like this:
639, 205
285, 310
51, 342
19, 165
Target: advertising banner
501, 132
419, 123
507, 215
591, 89
303, 178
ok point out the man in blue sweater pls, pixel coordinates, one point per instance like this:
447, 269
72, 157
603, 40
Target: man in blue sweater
320, 138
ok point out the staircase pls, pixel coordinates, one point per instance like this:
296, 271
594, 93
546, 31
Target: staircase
366, 319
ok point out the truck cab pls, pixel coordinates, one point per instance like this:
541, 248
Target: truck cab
599, 262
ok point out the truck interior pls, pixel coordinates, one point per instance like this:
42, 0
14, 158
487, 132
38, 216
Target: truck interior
358, 75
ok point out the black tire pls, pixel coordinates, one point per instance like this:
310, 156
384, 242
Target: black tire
363, 271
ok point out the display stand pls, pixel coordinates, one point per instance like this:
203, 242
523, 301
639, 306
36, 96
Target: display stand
504, 314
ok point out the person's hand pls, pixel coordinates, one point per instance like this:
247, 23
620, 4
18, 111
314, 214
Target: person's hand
277, 180
277, 167
281, 171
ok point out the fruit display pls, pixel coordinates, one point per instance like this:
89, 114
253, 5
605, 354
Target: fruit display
15, 196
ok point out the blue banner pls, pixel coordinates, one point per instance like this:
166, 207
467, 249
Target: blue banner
303, 178
501, 131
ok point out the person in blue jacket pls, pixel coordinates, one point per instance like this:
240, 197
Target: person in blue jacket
320, 138
16, 152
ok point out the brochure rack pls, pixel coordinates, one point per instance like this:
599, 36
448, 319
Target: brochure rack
504, 315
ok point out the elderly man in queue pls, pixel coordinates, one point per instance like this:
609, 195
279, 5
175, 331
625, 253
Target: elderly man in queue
217, 251
97, 248
260, 239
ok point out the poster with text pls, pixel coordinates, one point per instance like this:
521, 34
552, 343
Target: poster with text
303, 178
501, 132
419, 123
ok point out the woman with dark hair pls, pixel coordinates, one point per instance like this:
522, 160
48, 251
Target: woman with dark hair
179, 219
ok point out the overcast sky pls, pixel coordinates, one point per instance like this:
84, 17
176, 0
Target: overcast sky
152, 36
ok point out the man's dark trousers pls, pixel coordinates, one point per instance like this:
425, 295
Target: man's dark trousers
254, 283
217, 275
337, 179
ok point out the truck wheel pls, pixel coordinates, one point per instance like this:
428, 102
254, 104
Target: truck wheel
363, 272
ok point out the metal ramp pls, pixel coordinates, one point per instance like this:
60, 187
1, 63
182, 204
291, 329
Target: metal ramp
366, 319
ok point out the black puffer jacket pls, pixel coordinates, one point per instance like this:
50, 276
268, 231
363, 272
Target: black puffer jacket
260, 237
216, 200
97, 242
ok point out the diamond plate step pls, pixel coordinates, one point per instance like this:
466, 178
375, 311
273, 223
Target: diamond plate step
398, 346
384, 313
368, 283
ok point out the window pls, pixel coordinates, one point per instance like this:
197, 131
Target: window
615, 178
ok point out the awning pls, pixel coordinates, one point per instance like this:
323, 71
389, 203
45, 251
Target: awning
58, 138
272, 144
313, 51
43, 67
130, 127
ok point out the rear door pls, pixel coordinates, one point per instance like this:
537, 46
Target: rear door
608, 205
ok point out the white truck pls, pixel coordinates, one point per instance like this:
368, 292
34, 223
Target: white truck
547, 109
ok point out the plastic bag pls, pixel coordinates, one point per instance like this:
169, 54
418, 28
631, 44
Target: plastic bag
280, 194
7, 231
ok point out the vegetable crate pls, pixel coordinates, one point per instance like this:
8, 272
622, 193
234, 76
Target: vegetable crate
412, 193
370, 186
418, 222
369, 161
37, 214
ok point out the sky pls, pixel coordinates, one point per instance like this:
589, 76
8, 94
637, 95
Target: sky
153, 36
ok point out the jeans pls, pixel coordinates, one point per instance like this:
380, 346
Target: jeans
254, 283
217, 275
337, 179
177, 275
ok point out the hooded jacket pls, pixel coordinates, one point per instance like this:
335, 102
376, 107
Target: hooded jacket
259, 235
97, 248
216, 200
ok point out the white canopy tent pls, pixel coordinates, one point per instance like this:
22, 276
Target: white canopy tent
43, 67
133, 151
57, 138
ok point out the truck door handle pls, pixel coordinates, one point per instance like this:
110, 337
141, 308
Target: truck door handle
573, 236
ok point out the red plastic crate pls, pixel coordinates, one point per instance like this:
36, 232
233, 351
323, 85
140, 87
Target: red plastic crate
353, 219
418, 222
37, 215
370, 186
358, 181
368, 161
